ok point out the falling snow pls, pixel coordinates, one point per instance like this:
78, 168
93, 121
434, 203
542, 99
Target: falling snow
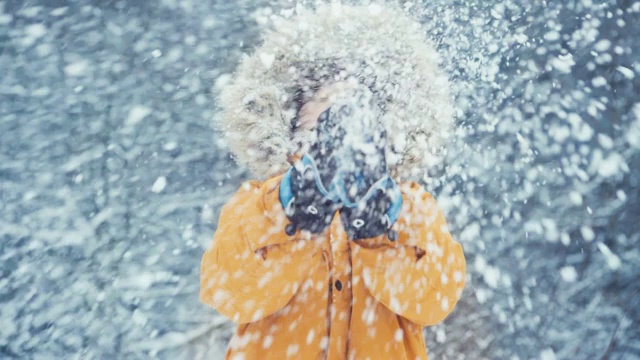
568, 274
113, 172
159, 184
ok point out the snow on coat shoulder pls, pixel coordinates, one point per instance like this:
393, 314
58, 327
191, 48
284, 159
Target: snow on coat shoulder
377, 46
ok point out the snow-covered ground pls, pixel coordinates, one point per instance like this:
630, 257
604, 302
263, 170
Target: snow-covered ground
112, 174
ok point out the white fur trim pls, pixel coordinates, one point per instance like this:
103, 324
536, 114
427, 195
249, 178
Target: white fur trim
383, 48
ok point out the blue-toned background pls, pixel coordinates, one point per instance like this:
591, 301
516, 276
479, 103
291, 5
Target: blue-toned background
112, 174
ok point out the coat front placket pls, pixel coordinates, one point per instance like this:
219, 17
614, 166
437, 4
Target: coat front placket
340, 277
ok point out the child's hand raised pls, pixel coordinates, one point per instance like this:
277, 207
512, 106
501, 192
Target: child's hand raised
344, 170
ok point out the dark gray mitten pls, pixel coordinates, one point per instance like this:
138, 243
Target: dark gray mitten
305, 205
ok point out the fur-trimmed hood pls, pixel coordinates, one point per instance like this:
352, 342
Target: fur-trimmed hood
378, 46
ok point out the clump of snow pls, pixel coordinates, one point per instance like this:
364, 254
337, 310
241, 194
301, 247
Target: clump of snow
563, 63
613, 261
292, 350
77, 68
548, 354
399, 335
35, 31
587, 233
32, 33
621, 195
552, 36
575, 197
170, 146
222, 81
609, 165
633, 133
523, 38
491, 276
580, 129
59, 11
159, 184
602, 45
30, 11
441, 335
569, 273
136, 114
267, 59
565, 239
605, 141
599, 81
5, 19
209, 22
444, 304
628, 73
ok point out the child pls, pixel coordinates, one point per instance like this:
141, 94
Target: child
332, 259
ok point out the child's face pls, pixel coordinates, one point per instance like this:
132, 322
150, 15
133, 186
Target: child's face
311, 110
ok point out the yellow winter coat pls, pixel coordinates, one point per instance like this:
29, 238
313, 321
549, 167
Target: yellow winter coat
323, 296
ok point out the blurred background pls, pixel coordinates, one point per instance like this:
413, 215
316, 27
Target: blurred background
112, 174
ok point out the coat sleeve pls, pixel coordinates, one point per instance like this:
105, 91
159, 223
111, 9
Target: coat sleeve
253, 268
421, 282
